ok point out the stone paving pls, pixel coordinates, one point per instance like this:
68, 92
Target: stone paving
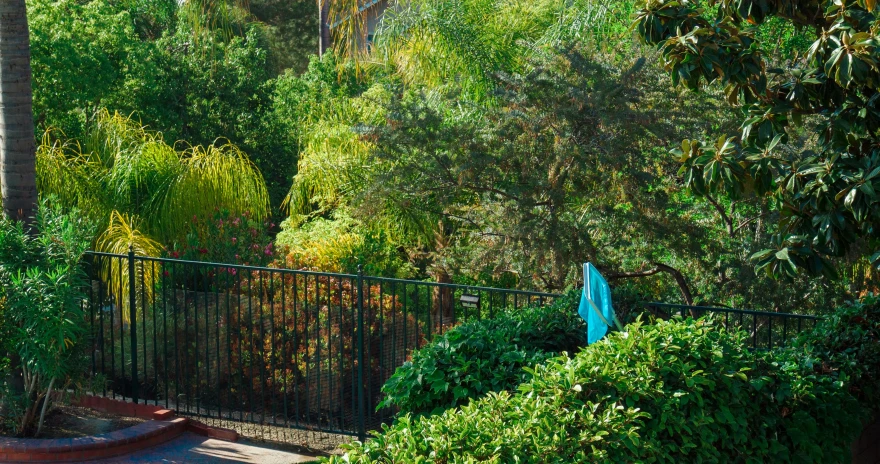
192, 448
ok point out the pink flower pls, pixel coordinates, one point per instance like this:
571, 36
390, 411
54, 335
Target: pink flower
234, 240
236, 221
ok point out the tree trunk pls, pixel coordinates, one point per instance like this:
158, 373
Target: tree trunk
323, 26
18, 183
18, 178
442, 296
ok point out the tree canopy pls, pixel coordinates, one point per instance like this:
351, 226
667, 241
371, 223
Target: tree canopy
825, 191
480, 141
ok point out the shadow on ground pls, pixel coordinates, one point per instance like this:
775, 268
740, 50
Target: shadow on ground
191, 448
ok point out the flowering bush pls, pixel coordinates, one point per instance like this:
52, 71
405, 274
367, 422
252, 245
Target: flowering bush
227, 238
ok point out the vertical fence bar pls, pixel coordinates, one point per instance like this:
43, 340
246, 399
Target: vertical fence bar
102, 339
165, 333
146, 377
91, 307
362, 428
132, 317
784, 331
155, 336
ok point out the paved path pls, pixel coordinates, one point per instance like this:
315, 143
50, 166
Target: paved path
191, 448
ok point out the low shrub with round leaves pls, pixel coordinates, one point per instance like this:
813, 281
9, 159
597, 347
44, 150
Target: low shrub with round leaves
484, 356
675, 391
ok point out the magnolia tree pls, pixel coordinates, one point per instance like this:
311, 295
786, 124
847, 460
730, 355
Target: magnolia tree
826, 197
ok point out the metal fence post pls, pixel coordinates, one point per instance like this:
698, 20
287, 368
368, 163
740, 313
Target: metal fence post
362, 410
132, 324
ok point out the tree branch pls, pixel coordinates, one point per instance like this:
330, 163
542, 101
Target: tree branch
660, 267
749, 221
724, 217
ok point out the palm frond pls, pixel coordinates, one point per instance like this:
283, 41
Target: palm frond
434, 42
208, 179
348, 22
334, 161
113, 136
69, 177
121, 236
140, 173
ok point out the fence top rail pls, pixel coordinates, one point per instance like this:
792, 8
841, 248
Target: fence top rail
225, 265
735, 311
464, 286
323, 274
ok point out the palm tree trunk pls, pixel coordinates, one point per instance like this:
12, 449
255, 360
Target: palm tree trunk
18, 184
323, 26
18, 178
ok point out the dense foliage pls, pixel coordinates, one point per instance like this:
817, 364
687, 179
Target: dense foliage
849, 340
483, 356
534, 158
183, 69
227, 238
43, 320
131, 178
675, 391
826, 194
481, 141
340, 244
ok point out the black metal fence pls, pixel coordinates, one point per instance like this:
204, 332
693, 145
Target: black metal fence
291, 348
277, 347
766, 330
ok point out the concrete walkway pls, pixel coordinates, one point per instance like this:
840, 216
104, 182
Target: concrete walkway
192, 448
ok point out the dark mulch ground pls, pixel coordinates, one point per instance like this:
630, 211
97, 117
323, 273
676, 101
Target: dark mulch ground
74, 422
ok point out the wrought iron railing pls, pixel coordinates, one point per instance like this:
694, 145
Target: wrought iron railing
292, 348
279, 347
766, 330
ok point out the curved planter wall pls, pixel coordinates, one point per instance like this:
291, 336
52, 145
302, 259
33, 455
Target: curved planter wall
140, 436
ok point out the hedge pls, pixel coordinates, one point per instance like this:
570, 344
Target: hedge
484, 356
675, 391
848, 341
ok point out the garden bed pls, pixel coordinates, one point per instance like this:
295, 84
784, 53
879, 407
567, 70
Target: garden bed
97, 428
75, 422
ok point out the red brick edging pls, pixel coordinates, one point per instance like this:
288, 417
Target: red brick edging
140, 436
161, 427
147, 411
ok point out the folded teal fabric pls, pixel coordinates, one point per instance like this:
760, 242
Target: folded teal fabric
595, 306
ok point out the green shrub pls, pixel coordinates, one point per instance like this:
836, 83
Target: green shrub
848, 342
43, 322
676, 391
484, 356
